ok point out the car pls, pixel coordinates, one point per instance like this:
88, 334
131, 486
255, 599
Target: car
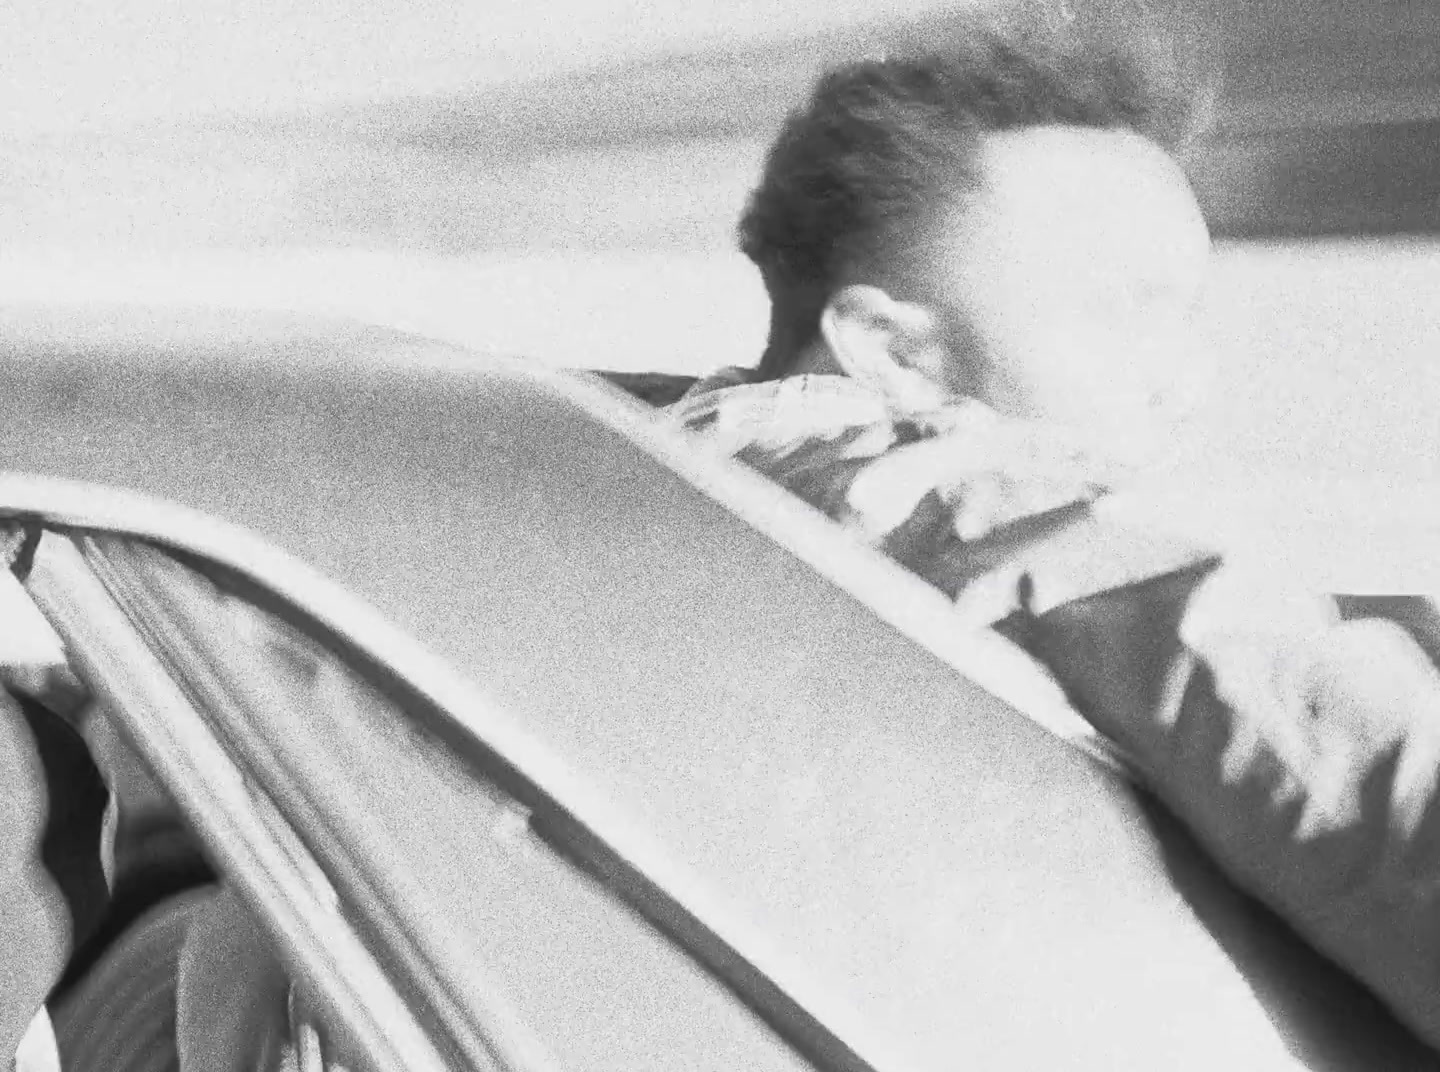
537, 737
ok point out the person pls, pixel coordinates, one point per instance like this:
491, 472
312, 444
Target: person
57, 832
58, 819
981, 264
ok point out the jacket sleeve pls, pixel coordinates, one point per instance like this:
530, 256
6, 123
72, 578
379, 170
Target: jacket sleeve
1302, 752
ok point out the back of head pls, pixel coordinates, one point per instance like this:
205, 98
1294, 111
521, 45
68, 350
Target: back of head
854, 174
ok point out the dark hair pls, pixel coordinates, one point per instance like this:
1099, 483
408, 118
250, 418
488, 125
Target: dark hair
881, 142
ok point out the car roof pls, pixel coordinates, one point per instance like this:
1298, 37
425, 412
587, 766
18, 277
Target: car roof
933, 875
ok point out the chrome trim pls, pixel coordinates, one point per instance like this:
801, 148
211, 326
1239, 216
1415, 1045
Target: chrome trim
170, 619
171, 736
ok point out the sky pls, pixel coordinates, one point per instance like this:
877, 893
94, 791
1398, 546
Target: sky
65, 63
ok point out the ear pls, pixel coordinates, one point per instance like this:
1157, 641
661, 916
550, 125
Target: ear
888, 345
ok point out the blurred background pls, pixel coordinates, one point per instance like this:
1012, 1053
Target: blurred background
560, 179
